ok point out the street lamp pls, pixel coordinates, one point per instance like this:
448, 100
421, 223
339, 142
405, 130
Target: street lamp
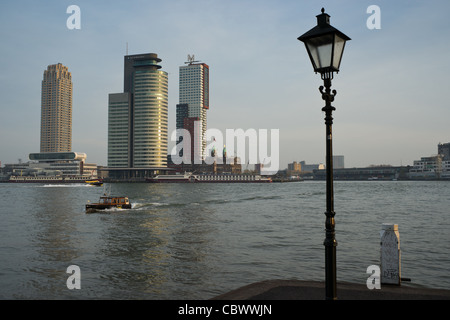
325, 45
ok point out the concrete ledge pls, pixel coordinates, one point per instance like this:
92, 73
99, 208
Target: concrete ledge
314, 290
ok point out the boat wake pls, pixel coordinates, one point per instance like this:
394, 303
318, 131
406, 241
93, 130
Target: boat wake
66, 185
147, 205
115, 209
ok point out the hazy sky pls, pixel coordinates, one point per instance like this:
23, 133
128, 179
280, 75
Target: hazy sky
391, 108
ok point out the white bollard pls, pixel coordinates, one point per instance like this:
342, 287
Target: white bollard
390, 254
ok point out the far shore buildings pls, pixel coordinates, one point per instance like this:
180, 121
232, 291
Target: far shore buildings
435, 167
56, 158
54, 164
302, 169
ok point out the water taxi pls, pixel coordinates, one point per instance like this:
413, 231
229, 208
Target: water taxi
108, 202
95, 182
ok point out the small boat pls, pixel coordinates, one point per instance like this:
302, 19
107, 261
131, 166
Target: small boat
95, 182
108, 202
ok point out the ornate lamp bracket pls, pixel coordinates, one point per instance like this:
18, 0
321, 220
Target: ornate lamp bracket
328, 97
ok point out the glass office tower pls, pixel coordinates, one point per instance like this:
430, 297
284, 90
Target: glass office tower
138, 118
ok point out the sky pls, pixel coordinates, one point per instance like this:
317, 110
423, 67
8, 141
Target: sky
391, 105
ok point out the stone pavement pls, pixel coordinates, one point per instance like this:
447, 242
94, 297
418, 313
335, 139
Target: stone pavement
314, 290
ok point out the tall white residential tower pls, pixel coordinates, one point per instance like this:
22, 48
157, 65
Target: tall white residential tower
56, 109
194, 97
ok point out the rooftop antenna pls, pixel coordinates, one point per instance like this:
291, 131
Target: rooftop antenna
127, 48
191, 59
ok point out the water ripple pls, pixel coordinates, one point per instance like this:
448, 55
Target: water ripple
196, 241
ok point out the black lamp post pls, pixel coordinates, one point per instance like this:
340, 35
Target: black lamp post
325, 45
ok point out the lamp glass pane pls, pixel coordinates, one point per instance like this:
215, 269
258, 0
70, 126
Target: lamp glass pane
320, 49
339, 44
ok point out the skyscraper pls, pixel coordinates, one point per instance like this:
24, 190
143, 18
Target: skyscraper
56, 109
138, 117
119, 130
194, 93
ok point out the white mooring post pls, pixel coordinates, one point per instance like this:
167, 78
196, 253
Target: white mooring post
390, 254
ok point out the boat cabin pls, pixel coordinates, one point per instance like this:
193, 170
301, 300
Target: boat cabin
114, 200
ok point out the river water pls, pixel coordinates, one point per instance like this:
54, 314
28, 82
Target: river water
196, 241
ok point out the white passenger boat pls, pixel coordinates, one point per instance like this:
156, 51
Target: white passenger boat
189, 177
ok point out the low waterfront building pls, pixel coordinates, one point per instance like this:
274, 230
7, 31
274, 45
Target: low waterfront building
227, 165
434, 167
132, 174
368, 173
294, 169
445, 174
295, 166
54, 164
309, 168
